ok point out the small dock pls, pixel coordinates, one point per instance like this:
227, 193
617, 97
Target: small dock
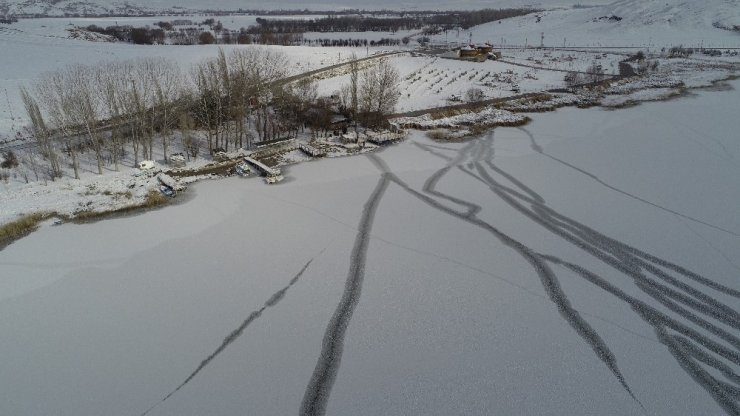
272, 175
312, 150
266, 170
385, 137
274, 147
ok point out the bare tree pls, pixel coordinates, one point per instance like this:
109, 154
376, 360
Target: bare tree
379, 91
239, 67
474, 95
58, 100
595, 72
305, 92
223, 87
209, 110
354, 82
257, 72
189, 143
572, 79
130, 90
167, 83
143, 96
41, 133
112, 83
84, 107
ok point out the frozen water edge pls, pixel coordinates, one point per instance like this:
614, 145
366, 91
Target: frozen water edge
115, 190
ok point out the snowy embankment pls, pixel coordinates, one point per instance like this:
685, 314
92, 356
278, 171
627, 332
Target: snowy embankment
527, 271
91, 194
489, 117
547, 102
68, 197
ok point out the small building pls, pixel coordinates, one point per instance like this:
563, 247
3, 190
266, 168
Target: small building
484, 49
313, 150
468, 52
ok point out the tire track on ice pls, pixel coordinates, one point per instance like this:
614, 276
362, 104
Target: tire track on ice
638, 264
236, 333
623, 257
545, 273
677, 345
537, 148
324, 375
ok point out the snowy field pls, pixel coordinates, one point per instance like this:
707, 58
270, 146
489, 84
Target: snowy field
585, 264
644, 23
430, 81
34, 46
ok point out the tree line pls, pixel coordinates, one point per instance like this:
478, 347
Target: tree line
167, 34
444, 20
290, 31
232, 100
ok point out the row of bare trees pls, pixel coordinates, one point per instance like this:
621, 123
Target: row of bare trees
104, 107
235, 90
232, 100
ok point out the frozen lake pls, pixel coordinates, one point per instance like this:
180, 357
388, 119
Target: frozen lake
586, 264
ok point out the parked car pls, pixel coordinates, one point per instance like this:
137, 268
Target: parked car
167, 191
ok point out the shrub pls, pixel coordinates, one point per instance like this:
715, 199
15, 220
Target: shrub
474, 95
141, 36
206, 38
10, 160
20, 227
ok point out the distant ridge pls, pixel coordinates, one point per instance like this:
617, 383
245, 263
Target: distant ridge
139, 7
628, 23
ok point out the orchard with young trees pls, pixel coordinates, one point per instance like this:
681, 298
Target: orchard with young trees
123, 109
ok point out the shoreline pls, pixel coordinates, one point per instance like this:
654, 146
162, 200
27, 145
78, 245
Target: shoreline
464, 133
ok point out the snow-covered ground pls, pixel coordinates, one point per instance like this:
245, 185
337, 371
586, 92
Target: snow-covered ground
643, 23
34, 46
584, 264
432, 81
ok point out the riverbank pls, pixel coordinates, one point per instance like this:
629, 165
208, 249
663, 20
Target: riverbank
116, 193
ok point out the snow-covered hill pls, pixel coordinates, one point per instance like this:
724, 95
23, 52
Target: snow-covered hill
72, 7
62, 7
625, 23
